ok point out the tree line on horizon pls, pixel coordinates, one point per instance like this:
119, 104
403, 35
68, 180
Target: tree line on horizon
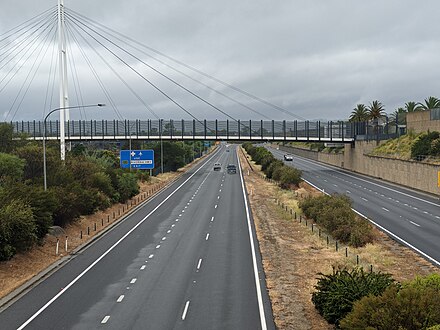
376, 110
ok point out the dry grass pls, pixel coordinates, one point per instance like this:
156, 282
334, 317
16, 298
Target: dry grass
293, 255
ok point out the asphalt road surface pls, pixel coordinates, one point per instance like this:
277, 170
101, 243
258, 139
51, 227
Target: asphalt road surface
410, 217
187, 259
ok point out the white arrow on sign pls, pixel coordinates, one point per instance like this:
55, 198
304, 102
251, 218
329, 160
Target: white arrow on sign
140, 153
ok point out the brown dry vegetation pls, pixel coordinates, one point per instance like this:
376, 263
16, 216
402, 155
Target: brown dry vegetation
293, 255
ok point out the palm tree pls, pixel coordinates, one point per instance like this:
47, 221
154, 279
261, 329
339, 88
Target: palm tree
376, 110
430, 103
398, 116
359, 113
412, 107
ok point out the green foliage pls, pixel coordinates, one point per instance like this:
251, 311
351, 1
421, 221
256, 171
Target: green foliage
127, 186
6, 134
11, 167
18, 231
272, 167
334, 213
336, 293
289, 176
423, 146
413, 306
42, 203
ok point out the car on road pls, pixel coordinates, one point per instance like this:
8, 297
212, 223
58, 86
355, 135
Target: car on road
288, 158
231, 168
217, 167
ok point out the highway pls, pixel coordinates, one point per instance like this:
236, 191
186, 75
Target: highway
186, 259
408, 216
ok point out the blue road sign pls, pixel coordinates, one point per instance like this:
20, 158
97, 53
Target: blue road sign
140, 159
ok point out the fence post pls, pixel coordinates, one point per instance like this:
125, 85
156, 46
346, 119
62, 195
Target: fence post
65, 246
57, 247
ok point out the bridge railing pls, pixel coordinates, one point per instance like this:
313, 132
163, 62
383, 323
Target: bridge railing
187, 129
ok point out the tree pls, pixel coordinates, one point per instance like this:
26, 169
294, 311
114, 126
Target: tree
430, 103
376, 110
17, 229
11, 167
359, 113
6, 133
412, 107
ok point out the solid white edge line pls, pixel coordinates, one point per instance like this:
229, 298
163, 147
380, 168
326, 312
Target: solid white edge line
254, 258
387, 231
185, 310
339, 171
111, 248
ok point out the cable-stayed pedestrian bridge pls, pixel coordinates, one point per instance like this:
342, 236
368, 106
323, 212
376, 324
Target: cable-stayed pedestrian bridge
180, 130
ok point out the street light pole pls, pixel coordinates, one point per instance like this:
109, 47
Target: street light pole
161, 147
44, 133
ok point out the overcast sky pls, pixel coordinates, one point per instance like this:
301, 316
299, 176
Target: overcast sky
315, 58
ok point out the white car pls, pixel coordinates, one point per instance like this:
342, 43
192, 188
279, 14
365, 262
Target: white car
288, 158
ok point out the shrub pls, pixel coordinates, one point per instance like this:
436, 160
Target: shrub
336, 293
423, 145
334, 213
11, 167
127, 186
290, 176
18, 231
413, 306
271, 168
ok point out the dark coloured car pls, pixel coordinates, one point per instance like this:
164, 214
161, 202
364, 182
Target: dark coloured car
232, 169
217, 167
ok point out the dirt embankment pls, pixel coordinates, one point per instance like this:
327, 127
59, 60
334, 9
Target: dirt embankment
293, 254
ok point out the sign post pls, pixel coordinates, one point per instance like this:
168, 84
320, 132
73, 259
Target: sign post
138, 159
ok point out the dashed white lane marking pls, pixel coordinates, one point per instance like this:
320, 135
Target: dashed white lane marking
185, 310
180, 214
218, 197
425, 212
220, 190
437, 217
186, 206
143, 267
348, 192
105, 319
207, 237
199, 264
335, 185
187, 203
212, 219
173, 225
157, 246
385, 209
133, 281
364, 199
121, 297
164, 238
415, 224
169, 231
183, 211
177, 220
77, 278
151, 256
215, 206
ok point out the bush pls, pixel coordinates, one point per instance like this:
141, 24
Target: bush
271, 168
289, 176
18, 231
11, 167
127, 186
334, 213
413, 306
335, 294
423, 145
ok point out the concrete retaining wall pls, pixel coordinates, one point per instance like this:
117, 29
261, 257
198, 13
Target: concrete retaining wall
412, 174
